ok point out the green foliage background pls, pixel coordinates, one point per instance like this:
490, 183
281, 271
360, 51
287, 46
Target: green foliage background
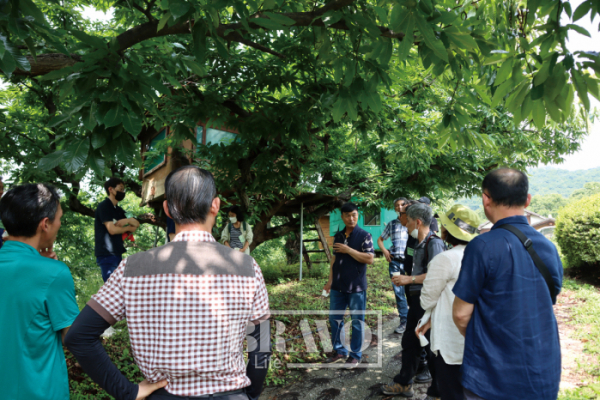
578, 232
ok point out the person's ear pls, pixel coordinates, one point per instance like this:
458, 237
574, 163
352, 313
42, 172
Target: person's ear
216, 206
166, 208
528, 200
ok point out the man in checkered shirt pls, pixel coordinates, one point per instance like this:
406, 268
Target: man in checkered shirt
188, 306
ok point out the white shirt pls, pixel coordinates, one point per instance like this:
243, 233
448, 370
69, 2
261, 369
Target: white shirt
437, 297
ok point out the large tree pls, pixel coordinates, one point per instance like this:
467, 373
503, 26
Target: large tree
332, 99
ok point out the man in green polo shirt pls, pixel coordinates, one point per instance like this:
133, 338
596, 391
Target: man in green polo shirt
37, 296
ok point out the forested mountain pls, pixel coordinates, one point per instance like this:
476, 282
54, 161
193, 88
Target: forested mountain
548, 180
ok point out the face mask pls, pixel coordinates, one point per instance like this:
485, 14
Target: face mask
120, 196
415, 233
398, 213
233, 220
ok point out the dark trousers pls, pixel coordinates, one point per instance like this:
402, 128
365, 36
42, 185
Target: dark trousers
448, 379
162, 394
108, 264
411, 348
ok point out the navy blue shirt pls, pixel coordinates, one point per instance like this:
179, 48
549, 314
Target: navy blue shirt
349, 275
170, 228
512, 348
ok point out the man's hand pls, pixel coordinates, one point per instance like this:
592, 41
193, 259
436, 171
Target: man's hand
48, 253
341, 248
423, 329
386, 254
327, 286
146, 388
401, 280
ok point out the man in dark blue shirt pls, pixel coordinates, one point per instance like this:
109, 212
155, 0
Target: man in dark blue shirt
347, 284
503, 305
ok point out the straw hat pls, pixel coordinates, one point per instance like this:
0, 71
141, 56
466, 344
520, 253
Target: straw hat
461, 222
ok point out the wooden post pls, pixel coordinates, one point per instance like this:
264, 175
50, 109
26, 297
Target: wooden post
306, 257
323, 240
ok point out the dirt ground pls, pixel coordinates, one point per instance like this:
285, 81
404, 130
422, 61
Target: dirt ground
365, 383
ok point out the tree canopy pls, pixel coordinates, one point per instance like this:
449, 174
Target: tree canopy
331, 99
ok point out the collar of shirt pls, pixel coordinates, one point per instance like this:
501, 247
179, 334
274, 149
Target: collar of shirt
422, 244
517, 219
194, 236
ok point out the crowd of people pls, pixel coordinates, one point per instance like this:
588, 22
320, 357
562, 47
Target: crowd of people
475, 311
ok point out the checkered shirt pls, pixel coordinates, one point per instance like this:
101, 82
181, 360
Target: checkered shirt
399, 235
188, 329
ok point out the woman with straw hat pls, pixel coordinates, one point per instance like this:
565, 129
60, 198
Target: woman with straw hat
459, 226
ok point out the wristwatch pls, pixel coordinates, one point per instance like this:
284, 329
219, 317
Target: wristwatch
413, 279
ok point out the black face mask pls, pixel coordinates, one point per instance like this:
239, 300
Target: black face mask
119, 196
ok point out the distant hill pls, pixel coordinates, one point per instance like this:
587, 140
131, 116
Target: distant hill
549, 180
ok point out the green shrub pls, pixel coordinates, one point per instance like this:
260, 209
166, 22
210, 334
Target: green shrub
578, 232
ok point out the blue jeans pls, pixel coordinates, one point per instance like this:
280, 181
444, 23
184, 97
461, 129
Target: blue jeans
108, 264
339, 301
396, 266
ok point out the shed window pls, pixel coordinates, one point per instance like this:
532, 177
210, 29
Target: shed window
372, 219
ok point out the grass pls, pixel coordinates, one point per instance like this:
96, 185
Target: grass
285, 293
586, 316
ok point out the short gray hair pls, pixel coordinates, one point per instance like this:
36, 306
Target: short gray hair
420, 211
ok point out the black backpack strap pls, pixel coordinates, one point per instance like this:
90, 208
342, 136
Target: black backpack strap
535, 257
427, 248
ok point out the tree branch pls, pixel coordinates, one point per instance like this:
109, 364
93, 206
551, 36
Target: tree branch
50, 62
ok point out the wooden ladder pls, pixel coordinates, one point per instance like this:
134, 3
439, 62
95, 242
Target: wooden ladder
323, 240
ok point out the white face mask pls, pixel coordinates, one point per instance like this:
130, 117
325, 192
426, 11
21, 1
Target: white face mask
233, 220
398, 213
415, 233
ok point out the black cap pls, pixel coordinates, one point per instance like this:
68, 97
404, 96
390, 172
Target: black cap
424, 200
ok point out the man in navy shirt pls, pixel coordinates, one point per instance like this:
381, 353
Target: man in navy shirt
109, 226
503, 305
347, 284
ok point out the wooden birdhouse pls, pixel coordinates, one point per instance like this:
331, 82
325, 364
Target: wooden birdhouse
156, 169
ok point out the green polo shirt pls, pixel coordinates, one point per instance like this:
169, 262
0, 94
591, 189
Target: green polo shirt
38, 300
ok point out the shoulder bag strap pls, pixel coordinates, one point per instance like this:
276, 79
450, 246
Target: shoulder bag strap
535, 257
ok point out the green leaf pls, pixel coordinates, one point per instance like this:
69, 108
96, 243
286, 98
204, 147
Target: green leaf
178, 8
338, 110
195, 67
430, 40
408, 27
113, 116
582, 10
579, 29
553, 110
97, 163
89, 40
500, 92
55, 75
542, 74
98, 139
267, 23
462, 40
592, 85
51, 160
77, 154
199, 36
483, 93
132, 123
532, 6
163, 21
582, 91
527, 107
373, 100
539, 114
515, 100
88, 117
280, 19
504, 71
29, 8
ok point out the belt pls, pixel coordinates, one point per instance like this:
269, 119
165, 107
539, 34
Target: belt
163, 392
398, 258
